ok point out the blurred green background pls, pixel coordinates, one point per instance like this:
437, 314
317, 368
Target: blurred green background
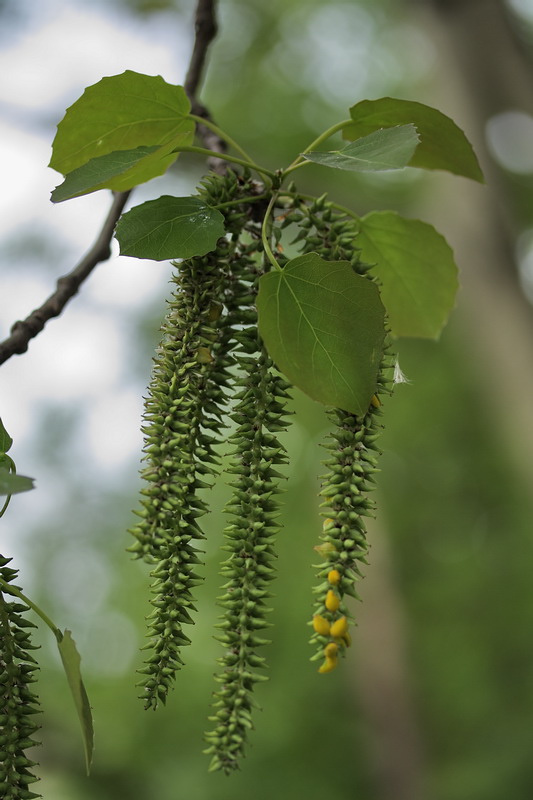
435, 701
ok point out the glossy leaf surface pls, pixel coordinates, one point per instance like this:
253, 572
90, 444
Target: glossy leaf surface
170, 227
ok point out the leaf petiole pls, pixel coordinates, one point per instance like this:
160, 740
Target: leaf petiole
10, 589
4, 507
221, 134
240, 201
203, 151
264, 234
299, 160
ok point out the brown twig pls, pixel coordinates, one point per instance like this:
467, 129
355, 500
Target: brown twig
22, 332
67, 286
206, 30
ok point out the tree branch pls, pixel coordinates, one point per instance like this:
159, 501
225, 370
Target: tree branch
67, 286
23, 331
206, 30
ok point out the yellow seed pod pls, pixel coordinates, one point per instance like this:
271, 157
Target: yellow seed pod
334, 577
328, 665
204, 355
339, 628
332, 601
328, 522
331, 650
347, 639
376, 402
325, 549
321, 625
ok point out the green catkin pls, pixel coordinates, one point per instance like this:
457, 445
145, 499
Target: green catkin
256, 453
18, 703
183, 421
210, 334
351, 465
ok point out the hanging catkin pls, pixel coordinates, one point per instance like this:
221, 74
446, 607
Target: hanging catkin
183, 416
212, 363
250, 536
352, 460
18, 703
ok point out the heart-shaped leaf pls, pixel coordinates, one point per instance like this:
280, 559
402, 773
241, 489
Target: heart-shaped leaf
323, 326
170, 227
123, 112
390, 148
443, 145
416, 270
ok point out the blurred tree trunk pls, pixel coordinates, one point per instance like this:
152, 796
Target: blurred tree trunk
482, 70
383, 678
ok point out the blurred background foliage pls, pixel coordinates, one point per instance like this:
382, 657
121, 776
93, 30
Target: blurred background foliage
435, 701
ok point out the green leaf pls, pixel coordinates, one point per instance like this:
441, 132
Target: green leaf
71, 664
14, 484
443, 144
323, 326
390, 148
170, 227
5, 439
416, 270
97, 173
124, 112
